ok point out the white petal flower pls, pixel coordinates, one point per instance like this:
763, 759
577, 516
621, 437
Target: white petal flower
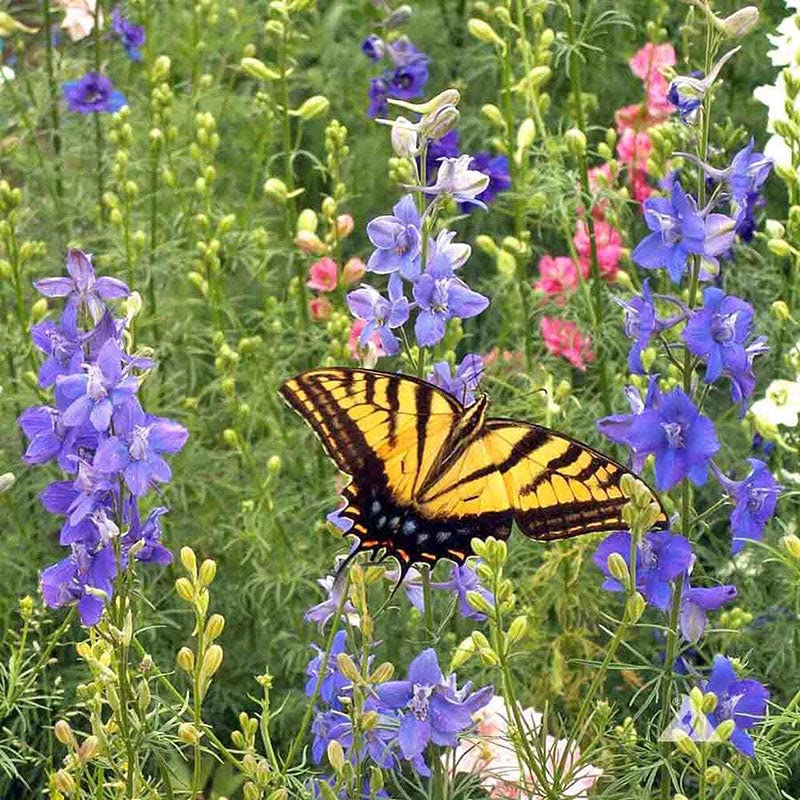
780, 406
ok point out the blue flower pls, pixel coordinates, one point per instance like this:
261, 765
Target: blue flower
333, 682
755, 499
432, 709
377, 95
697, 602
148, 537
640, 325
50, 439
742, 700
397, 238
131, 35
441, 297
333, 585
748, 172
380, 314
456, 179
59, 342
676, 434
496, 169
463, 384
686, 92
463, 579
373, 47
92, 94
660, 558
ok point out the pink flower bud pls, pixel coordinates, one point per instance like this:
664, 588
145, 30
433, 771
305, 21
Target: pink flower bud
320, 308
309, 243
353, 271
344, 225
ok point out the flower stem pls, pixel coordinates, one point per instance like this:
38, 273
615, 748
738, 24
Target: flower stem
55, 127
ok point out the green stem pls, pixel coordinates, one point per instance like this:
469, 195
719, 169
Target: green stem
55, 127
427, 600
98, 150
197, 705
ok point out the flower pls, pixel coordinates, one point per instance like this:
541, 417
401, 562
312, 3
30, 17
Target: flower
717, 333
353, 271
755, 499
696, 602
73, 578
322, 612
323, 275
440, 297
82, 288
333, 683
660, 558
78, 22
463, 579
680, 438
558, 276
779, 406
651, 59
433, 710
742, 700
608, 244
148, 536
377, 95
373, 47
397, 238
496, 169
379, 314
465, 381
633, 149
59, 342
131, 35
320, 308
457, 253
49, 438
455, 179
641, 324
137, 452
562, 338
93, 93
373, 343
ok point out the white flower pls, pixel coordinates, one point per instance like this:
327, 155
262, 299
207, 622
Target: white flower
456, 179
786, 43
79, 19
404, 138
6, 74
780, 406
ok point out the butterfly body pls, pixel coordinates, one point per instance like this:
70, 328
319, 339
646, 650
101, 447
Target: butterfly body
428, 474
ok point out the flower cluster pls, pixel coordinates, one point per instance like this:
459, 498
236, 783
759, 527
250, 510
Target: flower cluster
403, 79
111, 450
324, 278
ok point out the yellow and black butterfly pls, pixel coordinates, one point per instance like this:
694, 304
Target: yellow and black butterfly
428, 474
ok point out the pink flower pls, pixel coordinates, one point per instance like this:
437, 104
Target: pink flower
633, 149
320, 308
641, 188
651, 59
658, 107
558, 276
344, 225
355, 332
353, 271
323, 275
609, 248
562, 338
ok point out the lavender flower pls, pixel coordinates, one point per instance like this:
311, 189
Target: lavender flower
147, 535
696, 603
59, 342
322, 612
380, 314
397, 238
464, 382
92, 94
640, 325
496, 169
333, 682
131, 36
455, 179
463, 579
50, 439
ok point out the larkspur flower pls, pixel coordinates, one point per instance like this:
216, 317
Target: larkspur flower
131, 36
377, 95
92, 94
397, 239
660, 558
463, 579
333, 683
432, 709
755, 499
687, 92
147, 535
680, 438
78, 578
50, 439
641, 324
441, 297
373, 47
446, 147
742, 700
379, 314
464, 382
457, 253
82, 288
697, 602
496, 169
59, 342
456, 179
333, 586
136, 453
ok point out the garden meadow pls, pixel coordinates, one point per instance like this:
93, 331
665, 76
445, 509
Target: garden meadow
586, 210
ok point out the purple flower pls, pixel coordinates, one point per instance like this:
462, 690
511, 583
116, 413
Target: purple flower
148, 536
496, 169
322, 612
136, 453
742, 700
717, 333
92, 94
432, 709
675, 433
755, 499
379, 742
373, 47
640, 325
333, 683
49, 438
446, 147
71, 579
378, 93
408, 80
688, 104
660, 558
99, 393
82, 288
677, 230
59, 342
440, 297
397, 238
463, 579
411, 585
696, 603
132, 36
465, 381
748, 172
380, 314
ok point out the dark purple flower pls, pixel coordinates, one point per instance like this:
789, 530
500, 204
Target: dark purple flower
49, 438
742, 700
397, 240
402, 52
441, 297
136, 453
660, 558
131, 35
373, 47
446, 147
333, 682
755, 500
93, 93
94, 396
59, 342
464, 382
675, 433
463, 579
82, 288
432, 709
148, 536
687, 104
496, 168
378, 93
380, 314
697, 602
71, 579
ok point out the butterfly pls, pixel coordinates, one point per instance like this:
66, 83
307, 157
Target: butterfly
429, 474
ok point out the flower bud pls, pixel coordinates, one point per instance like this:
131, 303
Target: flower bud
275, 189
185, 590
344, 225
478, 602
189, 561
399, 17
212, 661
250, 791
634, 607
208, 569
486, 244
353, 271
315, 106
64, 782
161, 69
404, 138
279, 794
575, 140
258, 69
307, 220
725, 729
792, 545
310, 243
485, 33
526, 133
774, 229
709, 703
348, 668
617, 568
517, 629
780, 310
88, 749
506, 264
779, 247
64, 734
335, 754
185, 659
463, 653
738, 24
685, 744
188, 734
440, 122
7, 480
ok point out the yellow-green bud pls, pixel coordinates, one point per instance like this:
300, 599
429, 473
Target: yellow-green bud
280, 794
383, 672
189, 560
307, 220
39, 309
251, 792
780, 310
231, 438
634, 607
463, 653
526, 133
258, 69
335, 755
506, 264
792, 545
275, 189
212, 661
685, 744
713, 775
477, 601
493, 115
185, 590
64, 782
188, 733
617, 567
485, 33
779, 247
517, 629
161, 68
575, 140
88, 749
774, 229
709, 703
725, 729
274, 464
348, 667
64, 734
315, 106
486, 244
208, 569
215, 626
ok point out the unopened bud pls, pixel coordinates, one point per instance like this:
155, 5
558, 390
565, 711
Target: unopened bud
685, 744
64, 782
335, 755
774, 229
185, 659
526, 133
258, 70
348, 668
463, 653
212, 661
88, 749
725, 730
185, 590
493, 115
208, 569
517, 629
779, 247
792, 545
440, 122
738, 24
275, 189
780, 310
315, 106
404, 138
485, 33
618, 568
634, 607
478, 602
64, 734
189, 561
7, 480
575, 140
382, 673
188, 734
709, 703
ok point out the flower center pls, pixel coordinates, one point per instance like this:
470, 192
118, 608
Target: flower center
648, 554
723, 328
674, 433
632, 323
440, 295
670, 228
139, 443
725, 706
95, 387
420, 701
